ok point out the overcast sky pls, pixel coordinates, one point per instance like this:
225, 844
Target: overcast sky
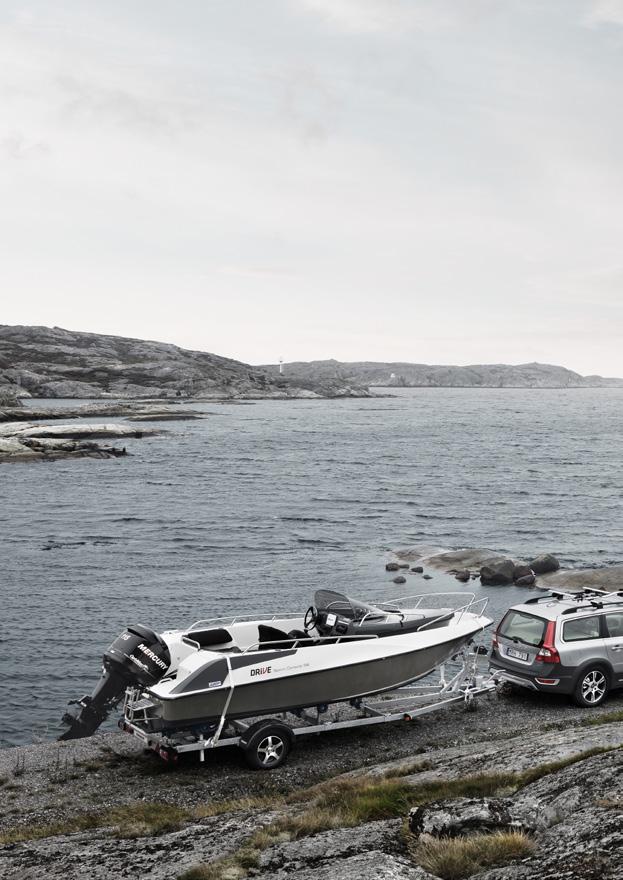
423, 180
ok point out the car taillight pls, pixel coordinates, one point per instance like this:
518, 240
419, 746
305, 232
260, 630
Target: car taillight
494, 640
547, 651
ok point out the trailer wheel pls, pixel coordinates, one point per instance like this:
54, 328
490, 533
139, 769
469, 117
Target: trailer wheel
266, 744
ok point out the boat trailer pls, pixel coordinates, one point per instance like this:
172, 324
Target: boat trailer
266, 742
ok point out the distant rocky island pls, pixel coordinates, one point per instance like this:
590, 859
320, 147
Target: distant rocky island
47, 362
407, 375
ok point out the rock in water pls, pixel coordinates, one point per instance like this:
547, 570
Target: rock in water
463, 576
392, 566
400, 579
522, 571
527, 580
544, 564
417, 569
498, 573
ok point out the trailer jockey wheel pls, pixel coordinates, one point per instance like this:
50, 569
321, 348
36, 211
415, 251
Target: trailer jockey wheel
266, 744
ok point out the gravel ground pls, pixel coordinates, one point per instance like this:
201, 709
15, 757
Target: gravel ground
42, 782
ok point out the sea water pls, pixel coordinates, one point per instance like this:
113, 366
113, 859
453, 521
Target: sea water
256, 506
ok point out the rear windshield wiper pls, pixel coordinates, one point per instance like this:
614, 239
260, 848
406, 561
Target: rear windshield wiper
523, 641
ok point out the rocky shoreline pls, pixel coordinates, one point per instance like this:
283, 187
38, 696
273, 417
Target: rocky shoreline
375, 803
498, 570
24, 441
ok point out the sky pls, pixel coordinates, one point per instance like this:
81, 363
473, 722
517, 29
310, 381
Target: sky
435, 181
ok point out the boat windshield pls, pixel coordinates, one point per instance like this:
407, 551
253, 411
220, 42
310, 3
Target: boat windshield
331, 601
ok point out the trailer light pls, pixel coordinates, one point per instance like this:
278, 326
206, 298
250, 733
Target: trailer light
407, 717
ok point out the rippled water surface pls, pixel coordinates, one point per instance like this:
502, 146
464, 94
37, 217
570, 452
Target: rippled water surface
259, 505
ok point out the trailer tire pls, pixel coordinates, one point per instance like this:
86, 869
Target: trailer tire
266, 744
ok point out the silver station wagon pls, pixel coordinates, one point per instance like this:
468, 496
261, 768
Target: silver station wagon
570, 643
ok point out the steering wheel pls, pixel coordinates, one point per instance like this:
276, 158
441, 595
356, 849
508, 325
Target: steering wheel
311, 618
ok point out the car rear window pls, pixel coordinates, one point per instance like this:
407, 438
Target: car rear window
524, 627
580, 630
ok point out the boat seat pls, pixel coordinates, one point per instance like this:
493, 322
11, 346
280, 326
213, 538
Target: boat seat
272, 638
207, 638
302, 638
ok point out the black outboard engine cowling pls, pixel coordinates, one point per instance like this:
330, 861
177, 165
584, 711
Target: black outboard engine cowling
137, 657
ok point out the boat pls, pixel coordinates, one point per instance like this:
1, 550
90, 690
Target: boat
249, 666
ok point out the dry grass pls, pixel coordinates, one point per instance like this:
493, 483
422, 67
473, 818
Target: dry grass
610, 803
460, 857
607, 718
408, 769
532, 775
224, 869
130, 820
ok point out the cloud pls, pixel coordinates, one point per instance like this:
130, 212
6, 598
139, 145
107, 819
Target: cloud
259, 273
374, 16
604, 12
16, 146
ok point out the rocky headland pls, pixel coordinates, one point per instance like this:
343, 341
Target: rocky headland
409, 375
50, 362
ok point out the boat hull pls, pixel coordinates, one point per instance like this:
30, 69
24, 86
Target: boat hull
302, 690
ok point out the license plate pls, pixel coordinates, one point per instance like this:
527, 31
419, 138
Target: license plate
519, 655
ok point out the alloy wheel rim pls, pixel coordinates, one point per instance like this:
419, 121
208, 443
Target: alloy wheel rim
270, 749
594, 686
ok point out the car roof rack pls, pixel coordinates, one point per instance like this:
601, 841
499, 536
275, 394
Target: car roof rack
589, 595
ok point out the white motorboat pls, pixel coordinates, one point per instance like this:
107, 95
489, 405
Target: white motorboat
246, 666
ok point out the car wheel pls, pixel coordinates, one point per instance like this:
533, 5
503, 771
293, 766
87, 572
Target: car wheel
592, 687
267, 744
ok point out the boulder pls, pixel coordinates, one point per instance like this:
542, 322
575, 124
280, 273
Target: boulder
464, 816
427, 577
392, 566
609, 578
417, 569
544, 564
527, 580
498, 573
463, 576
400, 579
522, 571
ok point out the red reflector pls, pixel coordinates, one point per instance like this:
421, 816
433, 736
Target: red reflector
547, 680
407, 718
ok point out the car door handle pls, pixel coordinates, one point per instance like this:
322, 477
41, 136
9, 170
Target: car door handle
617, 647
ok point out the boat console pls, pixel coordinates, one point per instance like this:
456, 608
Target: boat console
337, 615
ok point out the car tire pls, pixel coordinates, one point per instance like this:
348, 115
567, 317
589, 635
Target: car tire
266, 744
592, 687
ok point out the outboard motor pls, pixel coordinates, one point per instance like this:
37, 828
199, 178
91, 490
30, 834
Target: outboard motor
137, 657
